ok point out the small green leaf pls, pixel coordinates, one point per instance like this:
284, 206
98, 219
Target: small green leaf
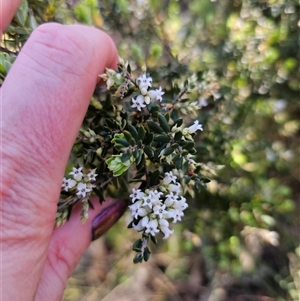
154, 178
154, 110
149, 151
186, 179
174, 145
153, 239
162, 138
184, 152
178, 122
125, 157
22, 31
135, 154
154, 127
189, 145
178, 162
132, 142
140, 157
193, 151
178, 136
119, 147
127, 135
174, 115
167, 151
149, 138
22, 13
122, 141
33, 23
133, 131
163, 123
138, 258
137, 245
147, 254
167, 116
141, 133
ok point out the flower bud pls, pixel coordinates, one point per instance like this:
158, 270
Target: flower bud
143, 90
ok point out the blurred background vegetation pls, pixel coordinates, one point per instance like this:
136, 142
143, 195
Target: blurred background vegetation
240, 237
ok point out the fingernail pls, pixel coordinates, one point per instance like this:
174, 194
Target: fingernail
107, 218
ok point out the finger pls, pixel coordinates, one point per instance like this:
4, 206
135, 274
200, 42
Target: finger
44, 99
7, 11
68, 244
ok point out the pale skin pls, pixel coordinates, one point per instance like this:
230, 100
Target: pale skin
43, 102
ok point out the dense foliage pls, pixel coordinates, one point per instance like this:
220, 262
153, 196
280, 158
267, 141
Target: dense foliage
240, 238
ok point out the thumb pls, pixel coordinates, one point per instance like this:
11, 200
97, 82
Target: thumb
44, 100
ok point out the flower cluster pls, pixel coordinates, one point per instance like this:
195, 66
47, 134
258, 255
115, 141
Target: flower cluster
136, 135
144, 82
82, 182
77, 187
152, 208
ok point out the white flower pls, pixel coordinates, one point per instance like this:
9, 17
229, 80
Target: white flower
138, 103
155, 194
138, 227
170, 199
145, 220
159, 210
181, 204
175, 214
82, 190
159, 94
137, 210
145, 99
164, 227
136, 194
195, 127
92, 175
68, 184
144, 82
151, 227
176, 188
147, 201
152, 198
169, 178
77, 173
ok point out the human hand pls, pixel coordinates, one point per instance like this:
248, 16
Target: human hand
44, 100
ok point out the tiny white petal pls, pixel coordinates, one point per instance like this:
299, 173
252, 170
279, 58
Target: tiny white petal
77, 173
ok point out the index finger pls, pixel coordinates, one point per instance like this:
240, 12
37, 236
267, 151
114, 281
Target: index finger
7, 11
